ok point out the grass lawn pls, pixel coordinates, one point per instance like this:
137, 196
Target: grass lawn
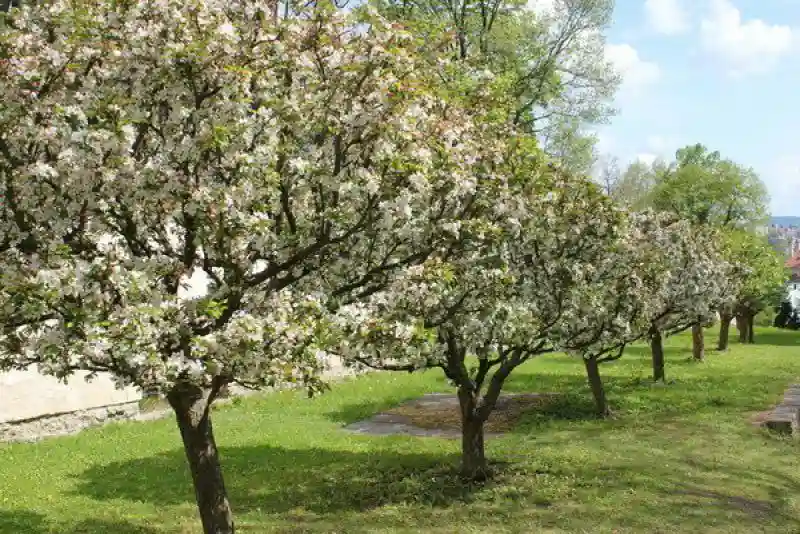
676, 458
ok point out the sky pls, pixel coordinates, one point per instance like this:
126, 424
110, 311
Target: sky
725, 73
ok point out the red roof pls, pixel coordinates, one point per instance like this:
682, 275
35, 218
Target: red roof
794, 263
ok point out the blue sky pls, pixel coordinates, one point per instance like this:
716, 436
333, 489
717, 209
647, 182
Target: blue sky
725, 73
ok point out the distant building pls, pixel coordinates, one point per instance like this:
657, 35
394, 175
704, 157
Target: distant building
785, 239
793, 264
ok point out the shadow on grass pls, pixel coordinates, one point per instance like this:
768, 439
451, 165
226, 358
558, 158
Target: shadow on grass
781, 489
354, 412
97, 526
278, 480
12, 521
333, 487
27, 522
721, 392
561, 407
776, 337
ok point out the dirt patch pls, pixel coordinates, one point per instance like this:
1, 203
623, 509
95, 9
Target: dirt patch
438, 414
754, 507
445, 412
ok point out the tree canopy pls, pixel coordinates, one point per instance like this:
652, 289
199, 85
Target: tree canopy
702, 187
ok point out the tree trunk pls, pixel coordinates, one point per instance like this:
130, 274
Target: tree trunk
657, 348
751, 330
596, 384
741, 325
192, 405
724, 331
698, 343
473, 451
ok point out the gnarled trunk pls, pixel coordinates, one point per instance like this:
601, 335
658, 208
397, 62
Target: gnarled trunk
473, 451
698, 343
751, 330
596, 384
724, 331
657, 349
192, 410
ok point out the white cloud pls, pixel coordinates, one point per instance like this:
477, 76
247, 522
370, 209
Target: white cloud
542, 7
748, 47
646, 158
606, 143
666, 16
636, 73
664, 147
657, 147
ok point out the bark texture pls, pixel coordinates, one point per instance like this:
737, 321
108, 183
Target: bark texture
657, 349
724, 331
698, 343
744, 323
596, 384
473, 450
192, 410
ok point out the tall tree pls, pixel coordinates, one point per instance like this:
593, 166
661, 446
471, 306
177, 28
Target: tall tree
551, 63
703, 188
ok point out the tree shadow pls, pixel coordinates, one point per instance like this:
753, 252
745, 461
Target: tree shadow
626, 392
28, 522
359, 411
779, 338
13, 521
96, 526
556, 407
278, 480
673, 356
781, 488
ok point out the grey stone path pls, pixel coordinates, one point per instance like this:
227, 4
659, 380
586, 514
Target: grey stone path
785, 417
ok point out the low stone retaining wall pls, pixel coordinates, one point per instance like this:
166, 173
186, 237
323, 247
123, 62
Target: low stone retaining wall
71, 422
66, 423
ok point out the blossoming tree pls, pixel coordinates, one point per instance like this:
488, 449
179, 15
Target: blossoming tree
186, 184
481, 312
619, 299
695, 279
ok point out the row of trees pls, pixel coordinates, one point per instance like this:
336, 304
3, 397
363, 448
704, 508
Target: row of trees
371, 184
712, 192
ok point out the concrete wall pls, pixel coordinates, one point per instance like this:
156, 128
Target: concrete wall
28, 394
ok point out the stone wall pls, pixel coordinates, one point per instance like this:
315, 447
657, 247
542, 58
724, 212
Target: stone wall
29, 399
34, 406
66, 423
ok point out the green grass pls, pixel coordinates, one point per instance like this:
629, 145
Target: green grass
677, 458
